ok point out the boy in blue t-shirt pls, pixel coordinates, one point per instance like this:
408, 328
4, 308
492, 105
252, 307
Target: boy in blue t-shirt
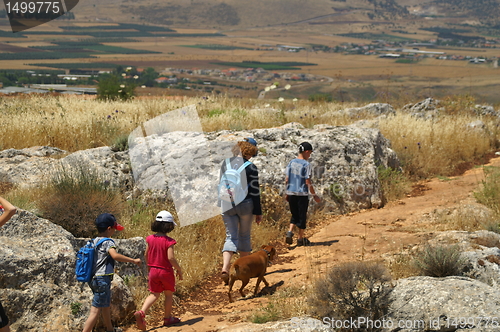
298, 187
104, 270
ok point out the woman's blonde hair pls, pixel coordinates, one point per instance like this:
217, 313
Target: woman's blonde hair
246, 149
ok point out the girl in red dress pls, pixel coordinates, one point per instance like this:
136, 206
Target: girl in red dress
161, 264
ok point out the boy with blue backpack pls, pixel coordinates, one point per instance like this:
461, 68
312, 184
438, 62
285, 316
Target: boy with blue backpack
103, 270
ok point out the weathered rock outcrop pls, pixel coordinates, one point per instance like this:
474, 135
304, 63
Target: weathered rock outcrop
37, 280
344, 162
296, 324
34, 166
427, 108
443, 304
372, 109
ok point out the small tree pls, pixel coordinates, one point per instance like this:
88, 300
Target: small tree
111, 87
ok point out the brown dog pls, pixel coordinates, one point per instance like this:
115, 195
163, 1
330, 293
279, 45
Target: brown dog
251, 266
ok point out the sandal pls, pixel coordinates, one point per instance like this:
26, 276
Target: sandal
170, 321
140, 320
225, 277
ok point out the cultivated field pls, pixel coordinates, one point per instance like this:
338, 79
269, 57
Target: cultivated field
354, 77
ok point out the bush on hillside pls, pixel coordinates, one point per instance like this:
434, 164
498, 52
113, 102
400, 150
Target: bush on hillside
395, 184
321, 97
75, 196
489, 194
439, 261
356, 289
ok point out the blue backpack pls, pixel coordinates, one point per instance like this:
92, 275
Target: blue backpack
231, 189
85, 260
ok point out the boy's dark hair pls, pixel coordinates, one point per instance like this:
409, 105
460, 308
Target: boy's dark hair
101, 229
162, 227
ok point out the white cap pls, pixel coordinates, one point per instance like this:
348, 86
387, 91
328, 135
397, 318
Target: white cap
165, 216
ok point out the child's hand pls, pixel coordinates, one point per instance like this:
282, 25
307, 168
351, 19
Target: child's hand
179, 274
137, 261
316, 198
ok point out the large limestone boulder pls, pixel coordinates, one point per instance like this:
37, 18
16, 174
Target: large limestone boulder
34, 166
344, 164
38, 286
428, 108
439, 304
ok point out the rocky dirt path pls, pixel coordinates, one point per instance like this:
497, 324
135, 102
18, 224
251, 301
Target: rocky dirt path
367, 235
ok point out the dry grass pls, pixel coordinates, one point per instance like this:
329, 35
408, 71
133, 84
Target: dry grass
437, 147
285, 303
489, 241
466, 217
401, 266
426, 147
74, 123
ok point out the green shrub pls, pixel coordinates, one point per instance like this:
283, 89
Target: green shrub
321, 97
120, 143
215, 112
356, 289
75, 196
395, 184
492, 227
269, 313
439, 261
110, 87
489, 194
75, 308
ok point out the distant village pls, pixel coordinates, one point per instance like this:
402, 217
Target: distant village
176, 78
170, 75
410, 51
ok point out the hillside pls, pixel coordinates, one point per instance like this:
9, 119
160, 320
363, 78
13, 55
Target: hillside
233, 14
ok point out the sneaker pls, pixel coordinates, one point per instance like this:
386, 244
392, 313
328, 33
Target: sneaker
303, 242
171, 321
289, 236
